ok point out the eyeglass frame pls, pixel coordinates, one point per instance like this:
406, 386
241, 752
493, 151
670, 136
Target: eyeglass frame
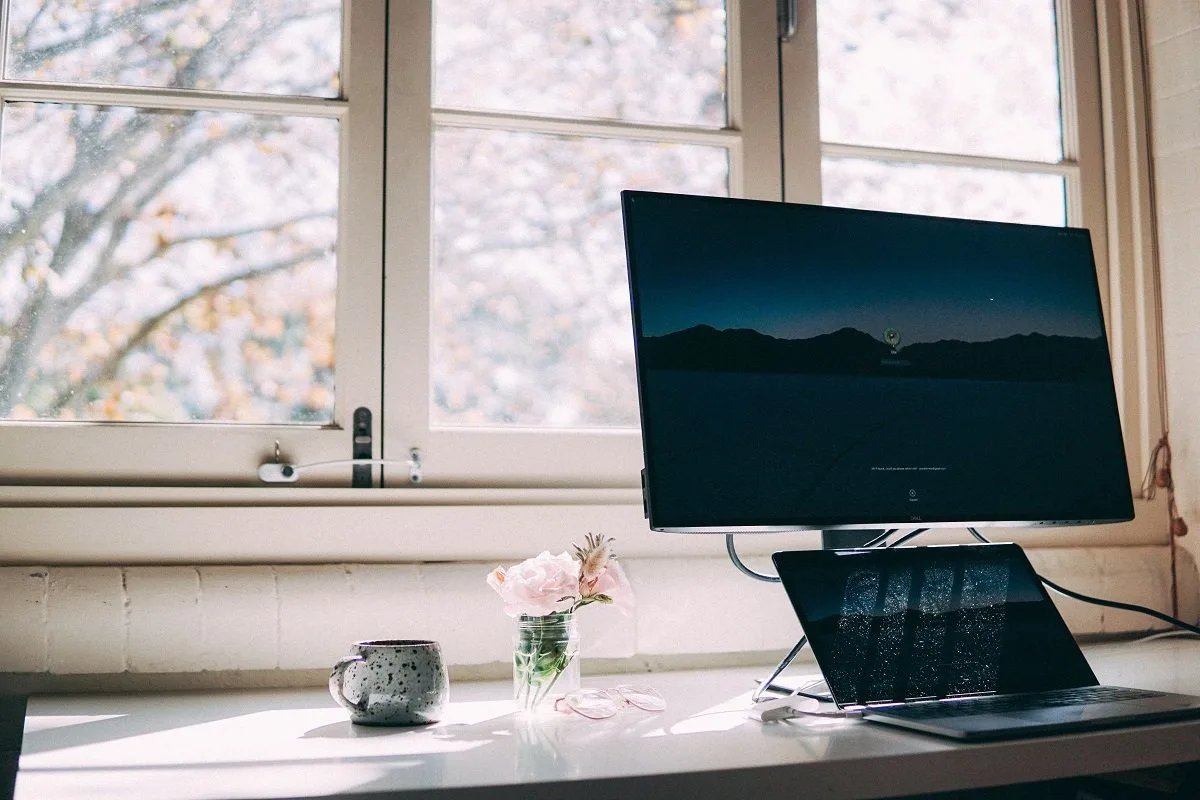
619, 695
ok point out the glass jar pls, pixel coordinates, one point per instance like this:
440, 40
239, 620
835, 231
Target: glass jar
545, 659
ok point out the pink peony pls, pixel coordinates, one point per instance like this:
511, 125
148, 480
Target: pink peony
538, 586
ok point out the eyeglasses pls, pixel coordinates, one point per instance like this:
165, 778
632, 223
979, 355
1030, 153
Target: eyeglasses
605, 703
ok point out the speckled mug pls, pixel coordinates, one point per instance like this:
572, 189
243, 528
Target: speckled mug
391, 682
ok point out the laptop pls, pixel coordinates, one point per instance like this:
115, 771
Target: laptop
960, 641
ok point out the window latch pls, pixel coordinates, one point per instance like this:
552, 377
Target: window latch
360, 474
360, 462
786, 13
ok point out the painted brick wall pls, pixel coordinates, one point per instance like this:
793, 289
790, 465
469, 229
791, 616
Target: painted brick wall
1173, 33
286, 624
182, 619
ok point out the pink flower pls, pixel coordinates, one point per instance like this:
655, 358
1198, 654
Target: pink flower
613, 584
538, 586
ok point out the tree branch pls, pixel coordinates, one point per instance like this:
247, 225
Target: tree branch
496, 244
107, 370
32, 58
187, 74
44, 312
50, 200
234, 233
27, 332
153, 179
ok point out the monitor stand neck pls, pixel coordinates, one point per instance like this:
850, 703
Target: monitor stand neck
846, 539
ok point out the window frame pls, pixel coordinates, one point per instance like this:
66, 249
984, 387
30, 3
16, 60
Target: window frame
182, 454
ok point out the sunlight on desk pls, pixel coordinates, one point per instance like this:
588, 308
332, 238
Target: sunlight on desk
723, 716
297, 743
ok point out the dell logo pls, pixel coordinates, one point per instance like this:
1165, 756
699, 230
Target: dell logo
914, 517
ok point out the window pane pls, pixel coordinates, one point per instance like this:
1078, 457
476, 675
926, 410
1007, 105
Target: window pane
944, 191
267, 46
530, 299
660, 62
978, 77
166, 266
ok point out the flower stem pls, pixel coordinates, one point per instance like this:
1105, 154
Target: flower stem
557, 674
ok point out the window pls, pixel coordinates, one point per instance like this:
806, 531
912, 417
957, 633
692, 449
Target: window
518, 371
180, 217
457, 266
970, 125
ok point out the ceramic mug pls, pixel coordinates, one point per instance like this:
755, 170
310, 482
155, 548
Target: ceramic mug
391, 682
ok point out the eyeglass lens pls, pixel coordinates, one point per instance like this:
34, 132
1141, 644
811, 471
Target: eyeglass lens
592, 703
644, 697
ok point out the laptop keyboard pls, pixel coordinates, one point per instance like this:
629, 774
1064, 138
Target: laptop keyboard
1022, 702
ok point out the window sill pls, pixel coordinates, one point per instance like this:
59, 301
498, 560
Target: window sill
281, 525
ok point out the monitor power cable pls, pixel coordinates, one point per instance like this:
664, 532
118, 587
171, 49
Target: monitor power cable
743, 567
879, 541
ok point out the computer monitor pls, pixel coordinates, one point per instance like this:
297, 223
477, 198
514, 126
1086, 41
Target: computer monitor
812, 368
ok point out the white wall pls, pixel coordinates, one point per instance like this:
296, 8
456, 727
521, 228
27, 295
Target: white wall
1173, 33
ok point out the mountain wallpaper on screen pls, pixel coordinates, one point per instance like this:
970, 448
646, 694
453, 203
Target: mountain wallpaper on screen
848, 351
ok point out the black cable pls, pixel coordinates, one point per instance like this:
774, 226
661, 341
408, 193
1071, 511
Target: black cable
1167, 618
907, 536
803, 692
878, 541
881, 539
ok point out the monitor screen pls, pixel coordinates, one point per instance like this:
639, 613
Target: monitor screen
811, 367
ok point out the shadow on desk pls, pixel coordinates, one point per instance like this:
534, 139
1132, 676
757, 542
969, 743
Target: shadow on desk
12, 721
1162, 783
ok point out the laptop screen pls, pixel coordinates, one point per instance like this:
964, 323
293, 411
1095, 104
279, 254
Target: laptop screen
888, 625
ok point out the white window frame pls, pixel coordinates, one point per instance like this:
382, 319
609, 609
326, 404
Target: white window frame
118, 453
487, 496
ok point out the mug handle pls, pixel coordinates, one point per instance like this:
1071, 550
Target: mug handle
337, 685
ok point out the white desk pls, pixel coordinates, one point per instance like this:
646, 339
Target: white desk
296, 743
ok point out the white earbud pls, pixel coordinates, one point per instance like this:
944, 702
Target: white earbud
278, 473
